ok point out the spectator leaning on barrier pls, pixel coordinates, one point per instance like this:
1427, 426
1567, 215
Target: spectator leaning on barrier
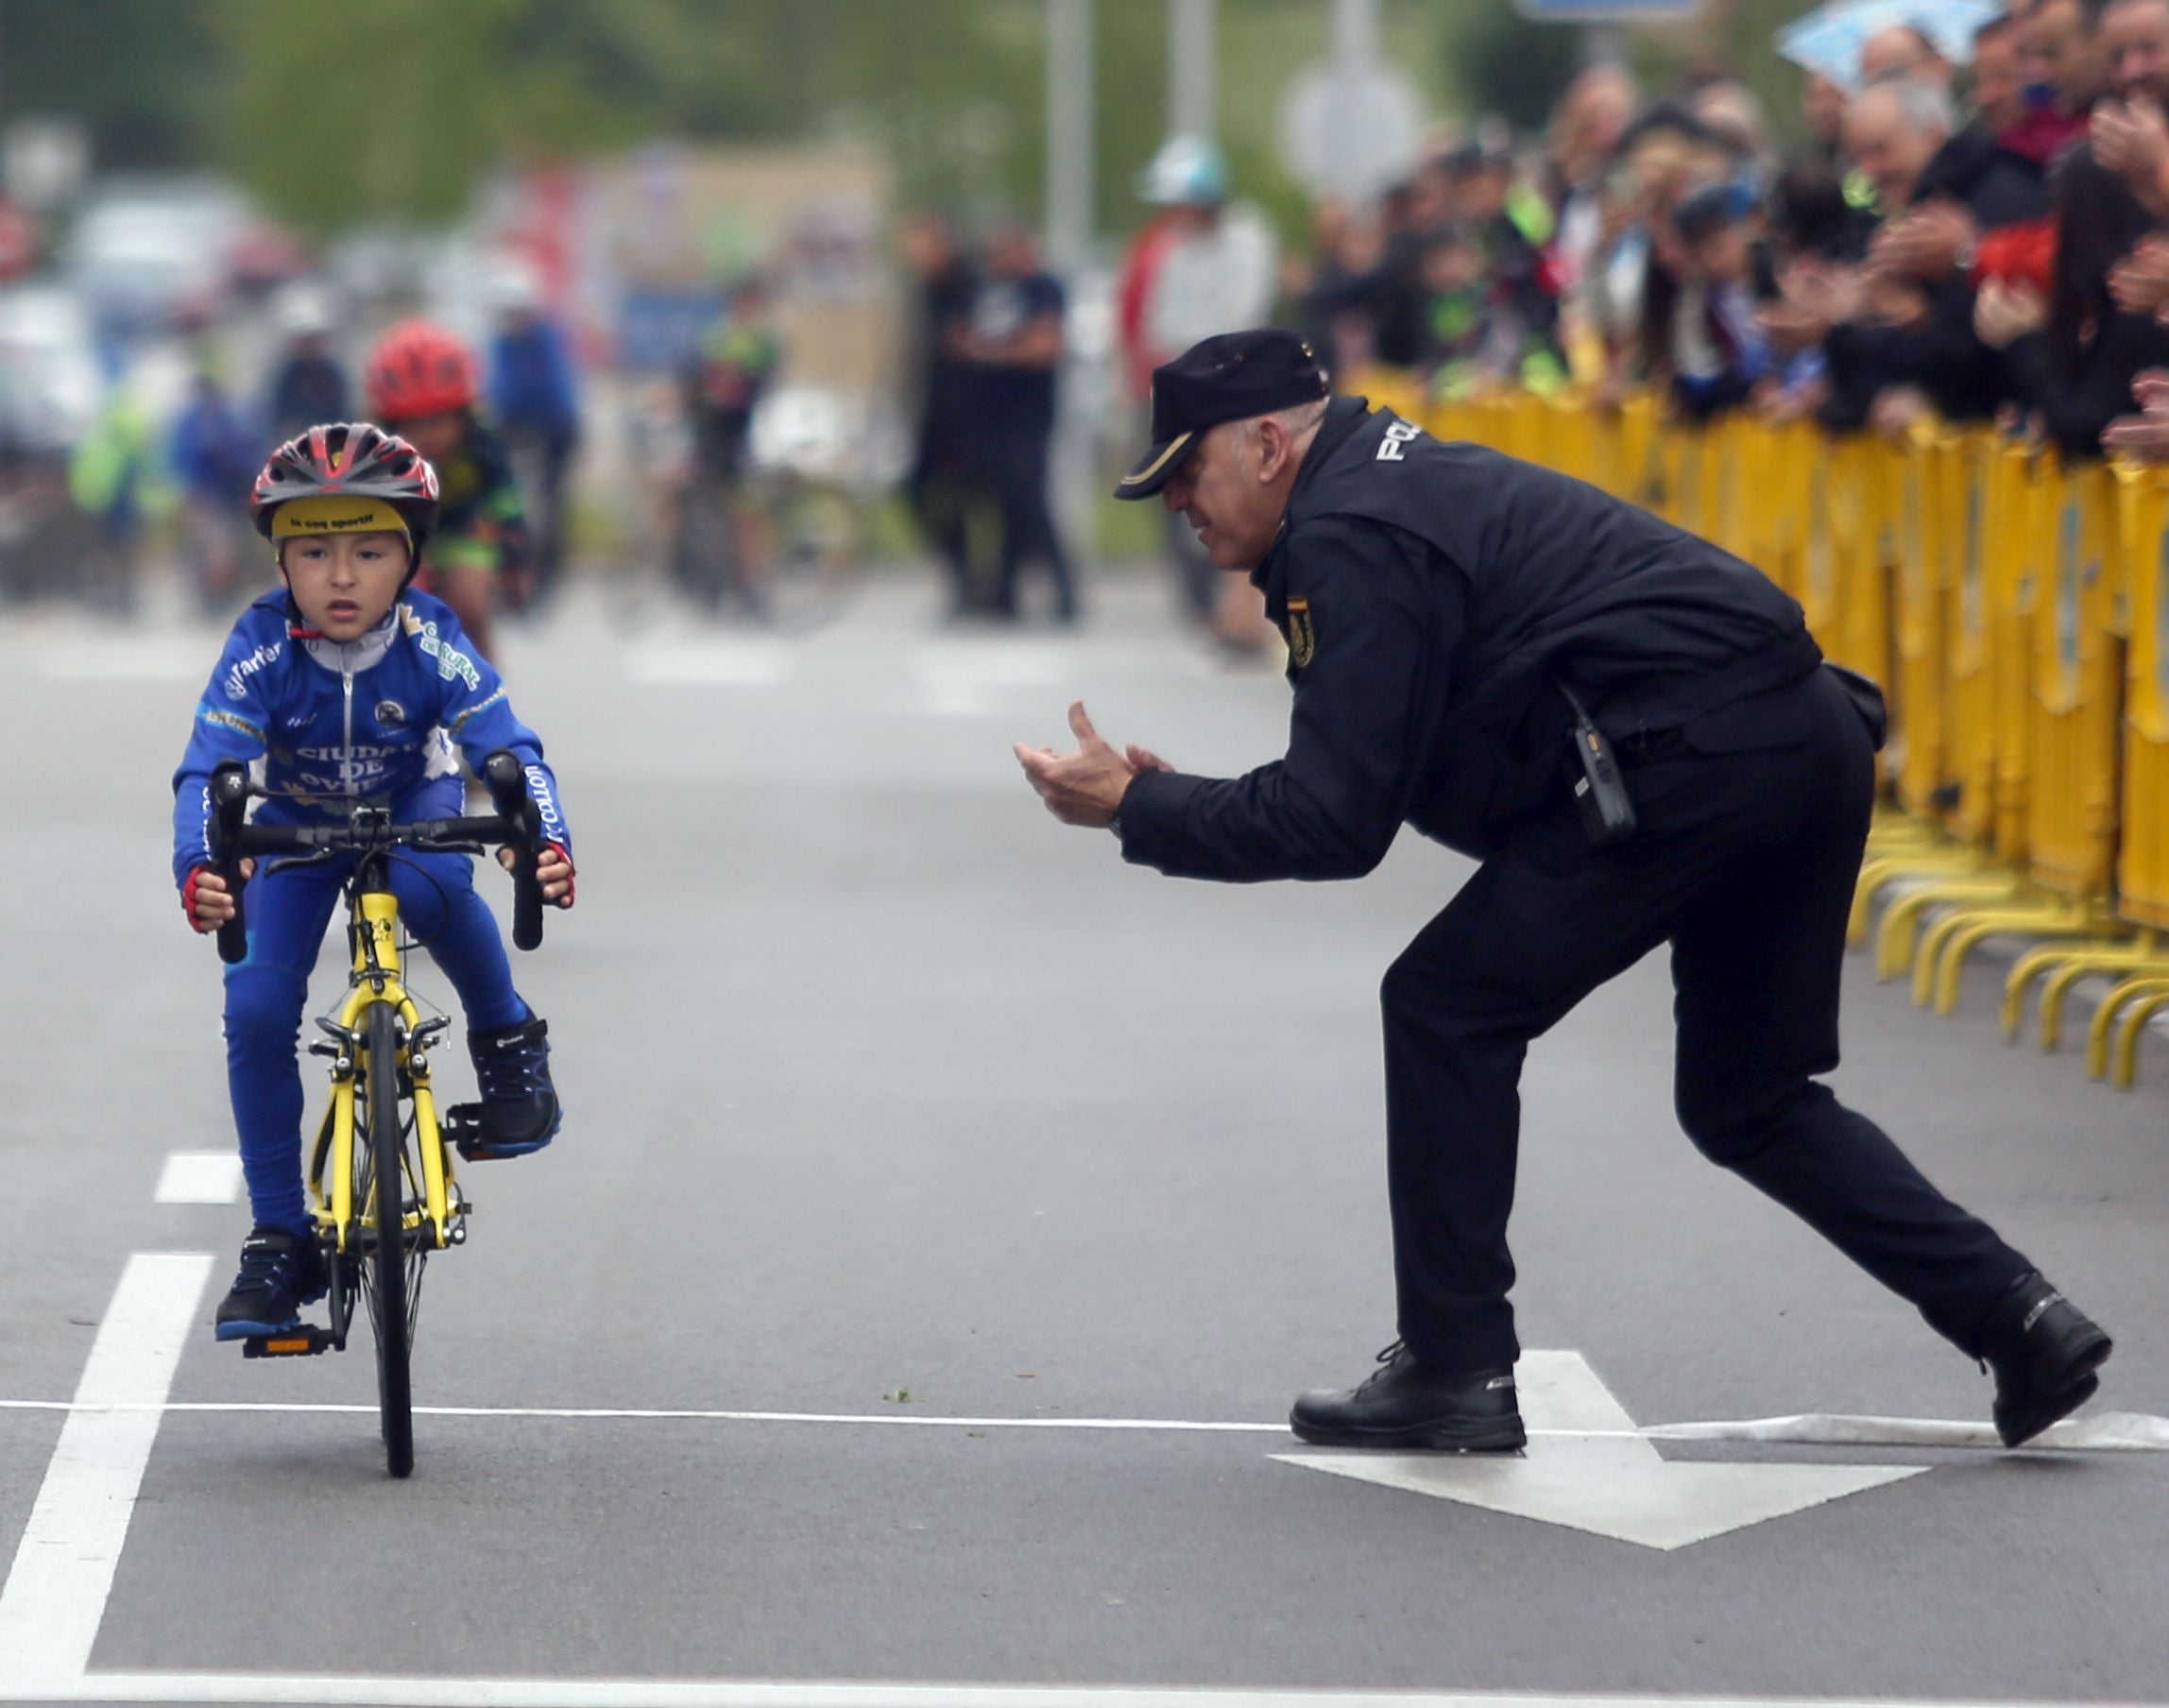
1893, 337
1629, 288
1721, 355
2070, 360
1449, 612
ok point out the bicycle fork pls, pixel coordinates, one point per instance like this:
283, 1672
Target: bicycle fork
376, 979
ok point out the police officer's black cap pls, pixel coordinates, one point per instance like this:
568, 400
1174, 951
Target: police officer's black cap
1227, 378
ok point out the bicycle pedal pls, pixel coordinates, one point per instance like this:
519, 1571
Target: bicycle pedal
462, 1125
303, 1343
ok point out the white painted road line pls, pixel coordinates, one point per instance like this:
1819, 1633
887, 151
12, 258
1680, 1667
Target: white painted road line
56, 1590
335, 1692
200, 1177
2107, 1431
2120, 1431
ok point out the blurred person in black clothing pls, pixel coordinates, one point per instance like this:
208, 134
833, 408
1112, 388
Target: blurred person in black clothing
1012, 344
1896, 344
308, 385
938, 396
2071, 362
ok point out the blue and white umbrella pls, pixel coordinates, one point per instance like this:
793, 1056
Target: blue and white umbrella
1829, 41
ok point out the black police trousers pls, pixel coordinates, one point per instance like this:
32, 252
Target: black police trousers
1752, 826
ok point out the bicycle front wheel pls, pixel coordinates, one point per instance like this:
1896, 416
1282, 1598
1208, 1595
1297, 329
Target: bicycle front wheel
380, 1156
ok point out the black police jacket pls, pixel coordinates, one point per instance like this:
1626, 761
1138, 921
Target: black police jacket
1434, 597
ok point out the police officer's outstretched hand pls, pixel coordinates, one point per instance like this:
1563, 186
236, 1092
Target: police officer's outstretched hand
1085, 787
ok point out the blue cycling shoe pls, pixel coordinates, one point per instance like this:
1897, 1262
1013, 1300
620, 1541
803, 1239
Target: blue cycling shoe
519, 1112
281, 1272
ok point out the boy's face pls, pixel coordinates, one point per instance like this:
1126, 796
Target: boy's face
434, 435
1721, 256
343, 585
1450, 266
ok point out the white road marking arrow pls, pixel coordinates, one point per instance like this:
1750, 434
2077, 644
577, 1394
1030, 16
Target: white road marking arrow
1588, 1468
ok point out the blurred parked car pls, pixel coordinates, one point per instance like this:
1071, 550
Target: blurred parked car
145, 249
49, 390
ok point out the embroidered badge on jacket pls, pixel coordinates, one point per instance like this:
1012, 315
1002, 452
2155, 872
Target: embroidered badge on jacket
1302, 637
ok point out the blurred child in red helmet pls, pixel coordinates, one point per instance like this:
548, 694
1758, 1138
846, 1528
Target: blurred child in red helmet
422, 382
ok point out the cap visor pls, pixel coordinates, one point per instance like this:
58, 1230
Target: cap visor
1154, 470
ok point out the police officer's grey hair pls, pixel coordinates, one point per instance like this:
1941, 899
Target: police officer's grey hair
1923, 107
1295, 421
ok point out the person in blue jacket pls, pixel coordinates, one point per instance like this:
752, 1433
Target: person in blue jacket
535, 404
349, 686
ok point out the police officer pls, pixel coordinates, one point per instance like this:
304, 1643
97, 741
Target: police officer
1633, 733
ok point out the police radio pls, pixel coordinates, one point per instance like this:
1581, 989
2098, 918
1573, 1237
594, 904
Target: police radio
1599, 792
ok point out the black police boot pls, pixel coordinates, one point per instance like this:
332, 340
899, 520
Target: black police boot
518, 1111
1405, 1403
281, 1272
2044, 1353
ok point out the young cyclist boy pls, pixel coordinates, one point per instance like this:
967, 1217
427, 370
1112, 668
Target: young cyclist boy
350, 685
422, 382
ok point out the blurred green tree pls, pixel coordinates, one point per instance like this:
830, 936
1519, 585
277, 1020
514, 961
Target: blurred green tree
1496, 61
141, 75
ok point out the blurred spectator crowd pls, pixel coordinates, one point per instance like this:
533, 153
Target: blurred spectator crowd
1969, 233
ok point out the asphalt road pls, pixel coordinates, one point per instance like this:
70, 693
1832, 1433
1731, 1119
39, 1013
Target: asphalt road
914, 1141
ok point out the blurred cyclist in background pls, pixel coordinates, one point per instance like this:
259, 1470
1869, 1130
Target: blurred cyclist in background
308, 385
421, 383
738, 363
536, 406
215, 452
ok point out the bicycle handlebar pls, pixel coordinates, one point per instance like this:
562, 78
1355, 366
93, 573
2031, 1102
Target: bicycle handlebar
516, 823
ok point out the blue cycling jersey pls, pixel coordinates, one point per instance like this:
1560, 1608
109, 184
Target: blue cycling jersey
326, 725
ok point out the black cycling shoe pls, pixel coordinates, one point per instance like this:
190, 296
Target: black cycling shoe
2044, 1352
1405, 1403
519, 1112
281, 1272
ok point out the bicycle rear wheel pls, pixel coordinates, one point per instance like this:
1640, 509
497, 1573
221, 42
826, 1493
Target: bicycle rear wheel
378, 1154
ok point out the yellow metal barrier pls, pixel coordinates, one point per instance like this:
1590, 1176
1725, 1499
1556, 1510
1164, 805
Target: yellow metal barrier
2143, 858
1944, 868
2071, 755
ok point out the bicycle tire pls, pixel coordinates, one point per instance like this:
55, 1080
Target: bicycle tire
713, 571
384, 1258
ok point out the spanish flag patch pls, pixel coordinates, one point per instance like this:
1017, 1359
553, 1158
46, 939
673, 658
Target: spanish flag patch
1302, 638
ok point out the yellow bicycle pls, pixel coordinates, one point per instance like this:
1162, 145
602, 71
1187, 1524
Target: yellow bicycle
379, 1174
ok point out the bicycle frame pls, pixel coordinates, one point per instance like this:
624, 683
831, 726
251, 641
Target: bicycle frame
372, 928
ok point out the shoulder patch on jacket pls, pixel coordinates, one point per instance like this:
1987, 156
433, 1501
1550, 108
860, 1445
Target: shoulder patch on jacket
1301, 634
